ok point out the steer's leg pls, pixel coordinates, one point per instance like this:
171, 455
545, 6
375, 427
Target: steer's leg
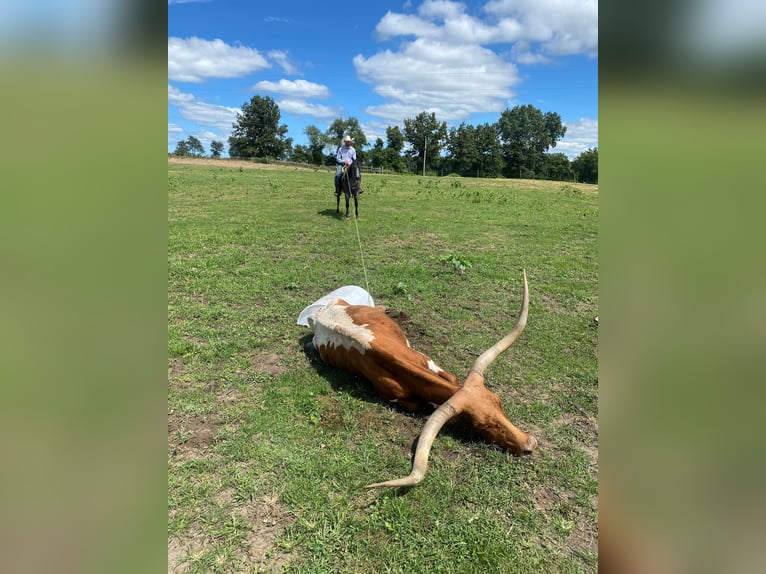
391, 390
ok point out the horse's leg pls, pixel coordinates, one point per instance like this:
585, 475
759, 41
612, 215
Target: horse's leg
337, 202
356, 205
347, 194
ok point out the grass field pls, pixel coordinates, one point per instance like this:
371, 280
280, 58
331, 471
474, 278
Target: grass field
269, 450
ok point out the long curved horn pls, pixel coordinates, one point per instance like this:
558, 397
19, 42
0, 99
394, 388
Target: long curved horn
484, 360
454, 405
432, 427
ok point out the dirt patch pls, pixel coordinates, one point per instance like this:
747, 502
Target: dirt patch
267, 519
268, 363
176, 369
190, 438
550, 303
180, 550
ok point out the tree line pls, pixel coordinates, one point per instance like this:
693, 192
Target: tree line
515, 146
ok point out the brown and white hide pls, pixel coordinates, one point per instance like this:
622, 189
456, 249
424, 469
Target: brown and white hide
364, 340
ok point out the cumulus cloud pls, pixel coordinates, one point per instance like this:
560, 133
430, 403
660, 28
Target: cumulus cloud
451, 80
297, 88
557, 27
448, 63
202, 113
581, 135
195, 59
302, 107
560, 27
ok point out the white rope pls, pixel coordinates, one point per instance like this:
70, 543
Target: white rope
361, 254
358, 236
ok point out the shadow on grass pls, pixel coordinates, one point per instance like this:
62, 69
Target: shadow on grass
359, 388
332, 213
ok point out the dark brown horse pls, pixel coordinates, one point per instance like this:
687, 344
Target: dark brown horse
350, 184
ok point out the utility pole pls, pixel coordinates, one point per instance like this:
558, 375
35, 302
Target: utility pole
425, 148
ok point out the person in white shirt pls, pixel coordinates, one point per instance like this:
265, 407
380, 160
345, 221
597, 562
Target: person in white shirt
345, 157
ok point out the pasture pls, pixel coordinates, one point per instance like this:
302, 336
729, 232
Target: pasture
269, 450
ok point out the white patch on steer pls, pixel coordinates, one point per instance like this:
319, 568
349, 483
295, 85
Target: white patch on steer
333, 327
433, 367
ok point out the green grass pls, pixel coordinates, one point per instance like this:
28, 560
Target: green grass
269, 450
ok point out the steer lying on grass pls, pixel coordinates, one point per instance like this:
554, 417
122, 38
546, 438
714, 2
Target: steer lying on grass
352, 334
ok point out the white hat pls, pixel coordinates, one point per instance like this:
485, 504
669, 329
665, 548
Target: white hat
347, 138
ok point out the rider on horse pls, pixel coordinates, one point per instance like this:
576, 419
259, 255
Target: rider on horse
345, 157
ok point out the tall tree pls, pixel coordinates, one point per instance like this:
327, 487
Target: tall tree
182, 149
394, 138
317, 143
557, 167
585, 166
257, 132
301, 154
216, 148
377, 153
490, 151
195, 147
426, 137
526, 134
475, 150
463, 151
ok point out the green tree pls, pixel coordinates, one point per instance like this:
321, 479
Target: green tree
195, 147
182, 149
462, 150
216, 148
317, 144
394, 139
490, 151
526, 134
475, 150
585, 166
301, 154
377, 153
426, 137
257, 132
392, 154
557, 167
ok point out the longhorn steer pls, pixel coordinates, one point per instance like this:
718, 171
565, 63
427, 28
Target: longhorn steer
364, 340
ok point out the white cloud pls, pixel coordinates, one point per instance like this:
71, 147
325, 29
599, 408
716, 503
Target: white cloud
194, 59
445, 64
296, 89
581, 135
282, 58
302, 107
562, 27
452, 81
202, 113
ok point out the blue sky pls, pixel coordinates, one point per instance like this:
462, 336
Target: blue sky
381, 62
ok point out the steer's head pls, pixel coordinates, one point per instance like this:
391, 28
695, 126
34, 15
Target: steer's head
476, 404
